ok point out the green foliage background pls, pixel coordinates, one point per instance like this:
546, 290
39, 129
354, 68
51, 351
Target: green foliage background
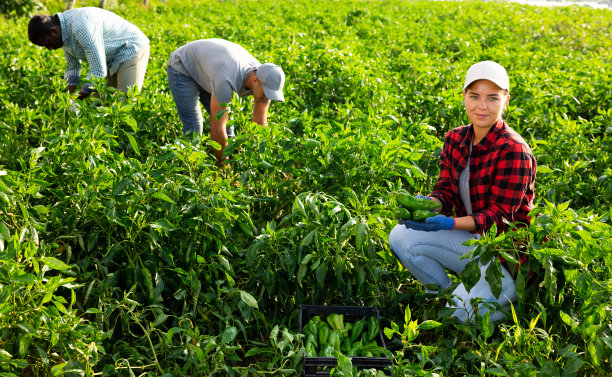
124, 250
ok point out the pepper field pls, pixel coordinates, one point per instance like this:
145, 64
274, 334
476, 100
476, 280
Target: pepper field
124, 251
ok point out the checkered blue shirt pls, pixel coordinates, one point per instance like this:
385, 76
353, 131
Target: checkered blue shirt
99, 37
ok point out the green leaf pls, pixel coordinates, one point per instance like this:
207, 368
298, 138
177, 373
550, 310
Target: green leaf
23, 277
171, 332
429, 324
471, 274
593, 354
248, 299
321, 273
520, 287
220, 114
486, 326
255, 351
388, 332
309, 238
361, 235
344, 365
55, 263
133, 143
162, 196
298, 207
568, 320
163, 224
131, 122
161, 318
497, 372
494, 277
4, 231
543, 169
229, 335
224, 262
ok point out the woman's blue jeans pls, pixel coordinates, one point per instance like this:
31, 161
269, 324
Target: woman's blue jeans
187, 93
427, 255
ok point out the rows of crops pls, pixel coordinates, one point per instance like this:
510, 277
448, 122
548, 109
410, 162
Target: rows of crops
125, 251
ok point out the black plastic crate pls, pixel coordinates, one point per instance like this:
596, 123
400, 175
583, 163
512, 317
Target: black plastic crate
351, 314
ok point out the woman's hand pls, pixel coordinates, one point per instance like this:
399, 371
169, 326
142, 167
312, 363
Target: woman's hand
431, 224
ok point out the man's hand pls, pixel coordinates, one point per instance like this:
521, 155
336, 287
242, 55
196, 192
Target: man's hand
260, 110
218, 132
83, 95
431, 224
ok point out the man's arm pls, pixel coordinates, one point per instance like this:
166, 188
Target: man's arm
260, 111
73, 71
217, 127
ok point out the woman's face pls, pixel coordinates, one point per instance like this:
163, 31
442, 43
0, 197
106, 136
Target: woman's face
484, 103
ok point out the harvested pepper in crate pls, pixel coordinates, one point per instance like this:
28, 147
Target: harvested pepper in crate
336, 321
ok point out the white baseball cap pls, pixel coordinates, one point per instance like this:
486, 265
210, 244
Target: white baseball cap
272, 79
487, 70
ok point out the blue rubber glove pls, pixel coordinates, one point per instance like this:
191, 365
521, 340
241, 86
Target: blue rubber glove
431, 224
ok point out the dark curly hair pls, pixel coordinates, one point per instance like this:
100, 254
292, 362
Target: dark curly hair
39, 27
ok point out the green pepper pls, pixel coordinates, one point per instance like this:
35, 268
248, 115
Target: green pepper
312, 339
327, 351
421, 215
311, 349
373, 328
348, 327
310, 329
323, 330
403, 213
334, 339
413, 203
564, 261
373, 348
336, 321
358, 328
315, 320
355, 350
345, 347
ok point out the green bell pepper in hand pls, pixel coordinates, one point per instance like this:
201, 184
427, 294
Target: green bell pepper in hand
373, 328
336, 321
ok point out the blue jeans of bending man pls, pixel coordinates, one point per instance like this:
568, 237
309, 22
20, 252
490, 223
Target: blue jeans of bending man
427, 255
188, 95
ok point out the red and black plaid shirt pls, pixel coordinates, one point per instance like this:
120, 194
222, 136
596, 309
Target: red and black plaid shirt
502, 176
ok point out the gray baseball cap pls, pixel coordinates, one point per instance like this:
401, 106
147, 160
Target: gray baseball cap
272, 79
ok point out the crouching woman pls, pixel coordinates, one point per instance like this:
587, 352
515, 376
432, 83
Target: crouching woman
487, 174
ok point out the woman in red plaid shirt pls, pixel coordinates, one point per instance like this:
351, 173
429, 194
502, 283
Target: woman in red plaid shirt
487, 174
